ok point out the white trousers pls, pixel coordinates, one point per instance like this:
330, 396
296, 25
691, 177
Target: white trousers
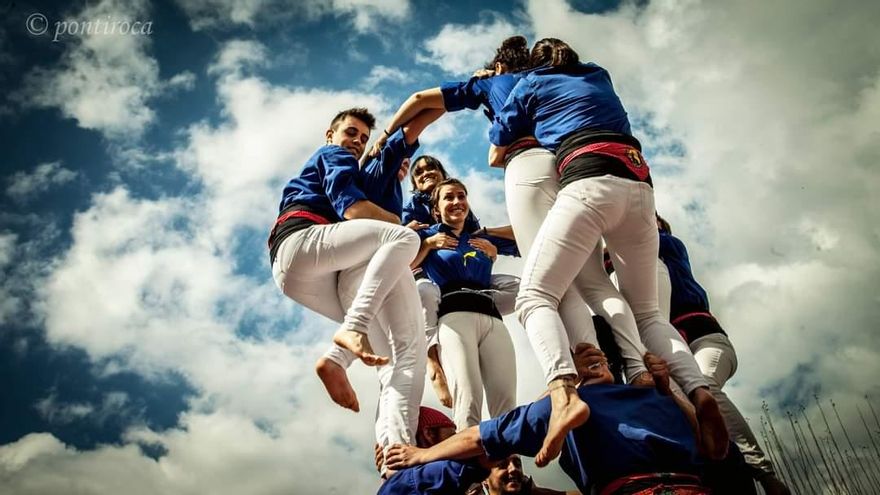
504, 289
531, 188
332, 269
717, 360
476, 353
621, 211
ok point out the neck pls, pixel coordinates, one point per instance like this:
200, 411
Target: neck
456, 227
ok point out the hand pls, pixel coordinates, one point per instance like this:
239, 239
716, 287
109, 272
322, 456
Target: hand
402, 456
587, 361
660, 371
377, 449
442, 241
484, 73
416, 225
378, 145
485, 246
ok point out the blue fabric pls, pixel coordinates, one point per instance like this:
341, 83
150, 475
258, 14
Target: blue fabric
489, 92
630, 430
418, 207
327, 182
687, 294
378, 178
462, 264
440, 477
552, 102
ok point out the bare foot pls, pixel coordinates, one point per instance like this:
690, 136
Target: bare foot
359, 344
336, 382
568, 412
714, 438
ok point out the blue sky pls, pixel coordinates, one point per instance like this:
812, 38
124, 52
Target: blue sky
140, 331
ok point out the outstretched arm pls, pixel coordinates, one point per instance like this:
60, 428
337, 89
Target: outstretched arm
463, 445
414, 127
428, 99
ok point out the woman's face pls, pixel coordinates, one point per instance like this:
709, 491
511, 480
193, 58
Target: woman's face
426, 176
453, 205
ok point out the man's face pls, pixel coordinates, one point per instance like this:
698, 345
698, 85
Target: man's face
507, 476
351, 133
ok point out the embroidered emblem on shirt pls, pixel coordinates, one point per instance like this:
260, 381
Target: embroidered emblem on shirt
469, 254
634, 157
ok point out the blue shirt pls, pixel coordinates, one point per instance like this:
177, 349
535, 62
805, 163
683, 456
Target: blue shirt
630, 430
418, 207
552, 102
328, 182
490, 92
440, 477
464, 263
687, 294
378, 179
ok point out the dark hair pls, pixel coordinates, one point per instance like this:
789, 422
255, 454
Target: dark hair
359, 113
552, 52
664, 225
513, 53
431, 161
435, 194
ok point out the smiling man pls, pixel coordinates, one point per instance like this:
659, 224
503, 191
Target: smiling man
338, 253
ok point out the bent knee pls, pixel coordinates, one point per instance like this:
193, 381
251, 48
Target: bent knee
529, 301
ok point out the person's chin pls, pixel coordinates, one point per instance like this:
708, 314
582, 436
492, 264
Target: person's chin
513, 486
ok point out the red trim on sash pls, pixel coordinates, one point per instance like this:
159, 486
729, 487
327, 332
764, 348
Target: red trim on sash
685, 316
522, 144
629, 155
674, 483
296, 214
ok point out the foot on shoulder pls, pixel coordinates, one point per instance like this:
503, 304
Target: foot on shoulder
714, 438
568, 412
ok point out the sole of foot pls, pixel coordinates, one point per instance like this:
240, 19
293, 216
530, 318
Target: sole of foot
336, 383
574, 414
714, 439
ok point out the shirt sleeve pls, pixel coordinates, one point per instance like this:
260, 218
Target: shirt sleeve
520, 431
381, 170
468, 94
428, 232
340, 173
515, 118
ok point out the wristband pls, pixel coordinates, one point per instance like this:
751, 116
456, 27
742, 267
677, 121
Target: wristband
387, 134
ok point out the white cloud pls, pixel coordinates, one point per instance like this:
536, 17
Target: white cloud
364, 15
24, 185
380, 74
460, 49
103, 81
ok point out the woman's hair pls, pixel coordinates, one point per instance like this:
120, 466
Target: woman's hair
552, 52
664, 225
430, 160
513, 53
435, 194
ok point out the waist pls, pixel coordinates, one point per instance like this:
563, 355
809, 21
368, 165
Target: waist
519, 146
467, 297
651, 483
698, 324
593, 153
292, 219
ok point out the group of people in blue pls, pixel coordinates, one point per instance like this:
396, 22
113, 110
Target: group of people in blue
412, 287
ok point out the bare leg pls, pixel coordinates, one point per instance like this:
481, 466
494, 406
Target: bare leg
438, 377
714, 438
336, 382
568, 412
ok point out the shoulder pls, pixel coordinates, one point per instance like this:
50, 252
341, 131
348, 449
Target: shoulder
337, 155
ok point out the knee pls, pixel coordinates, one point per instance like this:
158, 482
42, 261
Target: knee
529, 300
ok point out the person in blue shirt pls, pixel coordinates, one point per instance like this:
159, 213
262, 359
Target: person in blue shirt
531, 186
336, 251
571, 108
475, 348
684, 301
630, 434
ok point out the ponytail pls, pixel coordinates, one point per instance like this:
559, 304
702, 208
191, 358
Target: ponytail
552, 52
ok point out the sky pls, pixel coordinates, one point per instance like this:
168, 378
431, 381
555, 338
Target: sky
143, 345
